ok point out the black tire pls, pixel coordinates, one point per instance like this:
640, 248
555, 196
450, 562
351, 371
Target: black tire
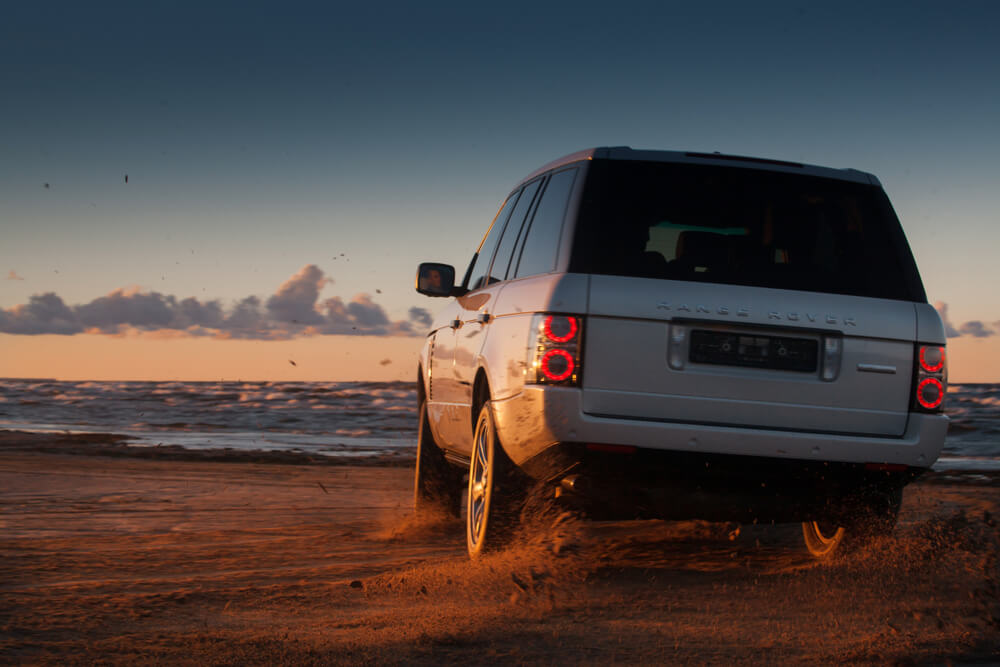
495, 497
875, 516
437, 486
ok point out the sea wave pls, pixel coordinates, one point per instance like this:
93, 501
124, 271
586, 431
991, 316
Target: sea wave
327, 416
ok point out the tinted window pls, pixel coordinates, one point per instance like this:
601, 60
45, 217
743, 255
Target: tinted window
541, 245
480, 262
743, 227
510, 237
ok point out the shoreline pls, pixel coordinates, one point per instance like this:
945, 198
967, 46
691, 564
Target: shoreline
117, 446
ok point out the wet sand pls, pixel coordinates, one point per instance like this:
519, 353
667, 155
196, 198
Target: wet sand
161, 560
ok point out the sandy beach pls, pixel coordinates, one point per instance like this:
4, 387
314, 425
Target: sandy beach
114, 556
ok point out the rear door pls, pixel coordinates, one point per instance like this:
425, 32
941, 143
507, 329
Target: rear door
476, 309
776, 297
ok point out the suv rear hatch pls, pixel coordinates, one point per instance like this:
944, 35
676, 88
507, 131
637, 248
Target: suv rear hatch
739, 356
778, 297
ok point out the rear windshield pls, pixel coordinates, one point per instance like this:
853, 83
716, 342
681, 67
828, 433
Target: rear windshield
742, 227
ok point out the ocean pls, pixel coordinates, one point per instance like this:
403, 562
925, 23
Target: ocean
346, 419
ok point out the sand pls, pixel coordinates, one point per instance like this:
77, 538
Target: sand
125, 559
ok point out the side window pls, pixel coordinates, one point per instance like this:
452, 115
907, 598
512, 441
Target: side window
481, 261
542, 241
514, 232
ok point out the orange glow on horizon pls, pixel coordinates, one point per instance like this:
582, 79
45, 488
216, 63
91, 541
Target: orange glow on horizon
317, 358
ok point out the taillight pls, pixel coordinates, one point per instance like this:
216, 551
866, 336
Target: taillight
931, 358
932, 378
554, 357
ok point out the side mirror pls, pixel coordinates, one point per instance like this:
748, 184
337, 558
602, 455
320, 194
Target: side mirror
435, 279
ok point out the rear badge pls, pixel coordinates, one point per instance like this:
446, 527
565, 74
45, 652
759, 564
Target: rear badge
743, 311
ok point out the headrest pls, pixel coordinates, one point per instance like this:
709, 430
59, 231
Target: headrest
700, 245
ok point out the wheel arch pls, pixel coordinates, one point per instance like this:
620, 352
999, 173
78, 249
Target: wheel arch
480, 394
421, 388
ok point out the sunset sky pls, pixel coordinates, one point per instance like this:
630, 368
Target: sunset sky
289, 165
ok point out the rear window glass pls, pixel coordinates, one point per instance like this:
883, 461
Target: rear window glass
742, 227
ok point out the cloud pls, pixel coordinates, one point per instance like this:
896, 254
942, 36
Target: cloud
293, 310
949, 330
367, 313
109, 313
420, 316
295, 301
247, 320
44, 313
193, 313
12, 275
976, 329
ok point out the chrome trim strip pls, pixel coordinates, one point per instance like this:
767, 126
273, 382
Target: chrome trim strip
877, 368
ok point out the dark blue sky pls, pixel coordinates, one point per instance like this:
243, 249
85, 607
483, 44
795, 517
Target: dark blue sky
260, 138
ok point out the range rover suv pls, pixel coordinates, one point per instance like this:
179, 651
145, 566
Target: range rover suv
683, 335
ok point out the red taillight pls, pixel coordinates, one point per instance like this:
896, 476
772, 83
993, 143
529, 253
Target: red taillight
557, 365
560, 329
554, 356
930, 393
931, 358
930, 382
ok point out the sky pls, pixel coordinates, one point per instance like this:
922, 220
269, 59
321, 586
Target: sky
289, 165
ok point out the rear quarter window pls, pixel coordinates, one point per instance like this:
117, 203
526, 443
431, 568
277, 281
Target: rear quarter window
541, 244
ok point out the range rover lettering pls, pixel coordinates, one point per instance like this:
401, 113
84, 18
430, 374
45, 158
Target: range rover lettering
681, 335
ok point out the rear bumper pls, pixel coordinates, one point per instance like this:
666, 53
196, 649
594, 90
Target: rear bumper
540, 418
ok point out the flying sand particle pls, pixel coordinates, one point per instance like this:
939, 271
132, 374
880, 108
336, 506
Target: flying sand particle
292, 362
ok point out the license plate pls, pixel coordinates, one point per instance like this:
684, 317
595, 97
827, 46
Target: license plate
754, 351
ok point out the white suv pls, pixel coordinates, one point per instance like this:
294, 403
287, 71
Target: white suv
683, 335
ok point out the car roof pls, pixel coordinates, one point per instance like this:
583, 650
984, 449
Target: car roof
694, 157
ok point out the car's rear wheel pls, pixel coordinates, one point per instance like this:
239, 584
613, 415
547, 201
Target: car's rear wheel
874, 517
494, 501
822, 538
437, 486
